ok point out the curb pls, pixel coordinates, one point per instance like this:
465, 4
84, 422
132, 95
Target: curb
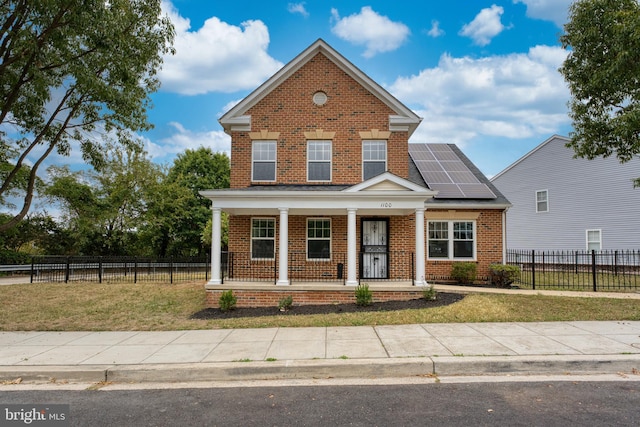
331, 368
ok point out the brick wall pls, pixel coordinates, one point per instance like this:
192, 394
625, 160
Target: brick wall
289, 110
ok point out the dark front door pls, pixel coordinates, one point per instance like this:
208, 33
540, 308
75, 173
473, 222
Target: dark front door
375, 249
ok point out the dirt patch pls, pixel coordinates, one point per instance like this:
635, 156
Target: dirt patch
443, 298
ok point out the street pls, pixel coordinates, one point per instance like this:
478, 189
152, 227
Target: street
540, 403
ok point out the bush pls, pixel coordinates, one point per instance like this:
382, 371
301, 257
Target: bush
464, 272
285, 303
363, 295
429, 293
502, 276
227, 301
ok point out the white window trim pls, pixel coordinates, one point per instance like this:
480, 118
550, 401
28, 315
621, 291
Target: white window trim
599, 237
268, 238
451, 239
386, 154
330, 160
275, 160
330, 239
546, 192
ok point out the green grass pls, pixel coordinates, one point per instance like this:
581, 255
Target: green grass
161, 307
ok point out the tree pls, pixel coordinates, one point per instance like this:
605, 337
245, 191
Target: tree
179, 213
603, 73
69, 68
104, 209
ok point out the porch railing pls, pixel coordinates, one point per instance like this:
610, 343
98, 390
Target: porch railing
240, 266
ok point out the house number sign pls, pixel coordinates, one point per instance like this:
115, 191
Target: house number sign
385, 204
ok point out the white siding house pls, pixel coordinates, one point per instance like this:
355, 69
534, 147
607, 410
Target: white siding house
566, 203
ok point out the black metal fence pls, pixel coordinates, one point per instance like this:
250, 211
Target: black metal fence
118, 269
616, 270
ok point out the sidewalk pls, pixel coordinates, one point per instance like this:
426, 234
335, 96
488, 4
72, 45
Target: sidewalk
323, 352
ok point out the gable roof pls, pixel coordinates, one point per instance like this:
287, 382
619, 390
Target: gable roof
236, 119
529, 154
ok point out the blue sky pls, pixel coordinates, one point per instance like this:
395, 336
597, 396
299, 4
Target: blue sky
482, 74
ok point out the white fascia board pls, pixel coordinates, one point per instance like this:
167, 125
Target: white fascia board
454, 205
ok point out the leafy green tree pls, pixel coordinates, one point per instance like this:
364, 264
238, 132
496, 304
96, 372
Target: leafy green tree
69, 68
603, 73
179, 213
105, 208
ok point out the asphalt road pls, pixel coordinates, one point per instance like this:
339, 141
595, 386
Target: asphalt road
546, 403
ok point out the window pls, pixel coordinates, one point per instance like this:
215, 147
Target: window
264, 161
374, 158
319, 161
318, 238
542, 201
263, 238
594, 240
451, 239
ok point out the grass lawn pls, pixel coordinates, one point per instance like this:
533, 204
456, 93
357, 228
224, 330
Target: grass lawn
162, 307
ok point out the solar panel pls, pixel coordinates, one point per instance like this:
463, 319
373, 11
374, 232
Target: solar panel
444, 171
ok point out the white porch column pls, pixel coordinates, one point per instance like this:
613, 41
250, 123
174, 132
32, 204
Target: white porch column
283, 249
420, 268
351, 247
216, 235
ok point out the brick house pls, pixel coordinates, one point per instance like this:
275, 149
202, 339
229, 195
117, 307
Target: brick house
326, 193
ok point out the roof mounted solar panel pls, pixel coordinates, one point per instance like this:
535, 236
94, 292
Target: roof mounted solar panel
443, 170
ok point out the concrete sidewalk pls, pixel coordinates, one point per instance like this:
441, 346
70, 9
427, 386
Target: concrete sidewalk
323, 352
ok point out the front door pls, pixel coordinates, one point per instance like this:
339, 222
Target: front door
375, 249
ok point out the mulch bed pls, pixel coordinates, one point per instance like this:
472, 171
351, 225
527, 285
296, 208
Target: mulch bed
443, 298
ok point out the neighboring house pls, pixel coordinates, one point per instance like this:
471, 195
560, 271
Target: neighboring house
326, 193
566, 203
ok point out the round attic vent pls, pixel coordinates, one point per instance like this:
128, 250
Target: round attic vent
319, 98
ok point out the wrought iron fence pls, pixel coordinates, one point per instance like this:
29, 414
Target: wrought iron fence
118, 269
616, 270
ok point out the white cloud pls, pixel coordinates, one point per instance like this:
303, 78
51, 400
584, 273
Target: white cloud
548, 10
298, 8
512, 96
435, 30
378, 33
218, 57
184, 139
485, 26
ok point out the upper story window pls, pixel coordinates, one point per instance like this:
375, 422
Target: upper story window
263, 159
374, 158
318, 160
594, 240
542, 201
452, 239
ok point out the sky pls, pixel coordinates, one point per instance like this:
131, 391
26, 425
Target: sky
482, 74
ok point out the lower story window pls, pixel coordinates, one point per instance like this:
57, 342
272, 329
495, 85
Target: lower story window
451, 239
263, 238
318, 238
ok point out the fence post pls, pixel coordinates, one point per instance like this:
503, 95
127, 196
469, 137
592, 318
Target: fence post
533, 269
31, 277
135, 271
99, 269
171, 270
593, 269
66, 272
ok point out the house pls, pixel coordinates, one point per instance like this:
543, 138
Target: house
326, 193
566, 203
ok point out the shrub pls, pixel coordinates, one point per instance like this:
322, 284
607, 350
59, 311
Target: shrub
502, 276
429, 293
463, 272
363, 295
227, 301
285, 303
